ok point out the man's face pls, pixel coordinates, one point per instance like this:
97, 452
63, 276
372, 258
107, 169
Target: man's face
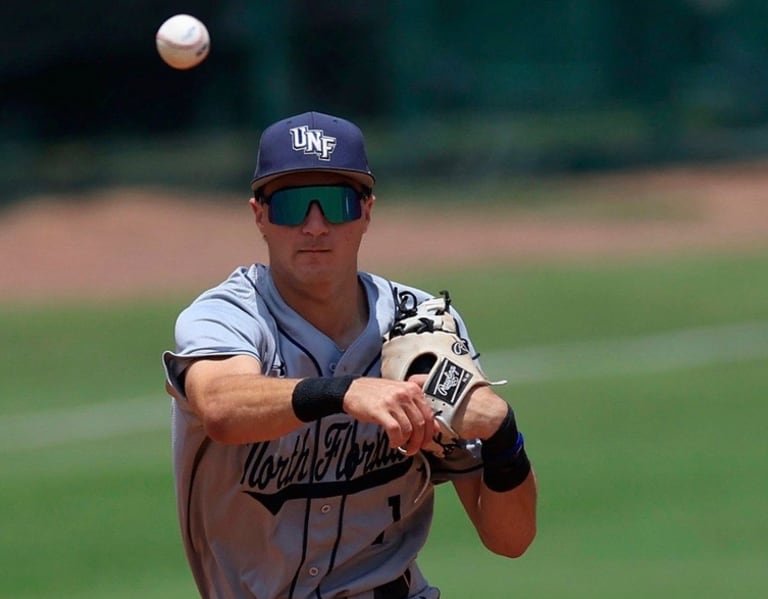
315, 251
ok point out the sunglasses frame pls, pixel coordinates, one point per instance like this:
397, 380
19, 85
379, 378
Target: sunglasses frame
341, 212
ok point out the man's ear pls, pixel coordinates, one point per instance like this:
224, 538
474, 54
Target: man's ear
259, 213
368, 209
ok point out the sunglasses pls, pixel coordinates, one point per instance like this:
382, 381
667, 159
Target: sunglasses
339, 203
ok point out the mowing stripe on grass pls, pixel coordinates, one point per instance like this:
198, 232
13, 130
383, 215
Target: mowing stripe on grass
91, 422
672, 350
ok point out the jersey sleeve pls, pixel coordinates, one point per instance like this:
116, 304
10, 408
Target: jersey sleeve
213, 326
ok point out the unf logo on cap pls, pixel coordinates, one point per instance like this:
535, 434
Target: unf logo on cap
312, 141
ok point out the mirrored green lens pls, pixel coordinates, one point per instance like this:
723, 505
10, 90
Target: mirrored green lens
339, 203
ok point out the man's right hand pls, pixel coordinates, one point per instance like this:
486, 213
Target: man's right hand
398, 406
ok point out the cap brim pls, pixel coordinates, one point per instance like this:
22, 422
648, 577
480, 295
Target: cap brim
362, 178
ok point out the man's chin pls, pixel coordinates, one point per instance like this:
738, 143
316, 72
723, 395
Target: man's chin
315, 272
314, 259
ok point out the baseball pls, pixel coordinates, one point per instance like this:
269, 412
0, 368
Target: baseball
183, 41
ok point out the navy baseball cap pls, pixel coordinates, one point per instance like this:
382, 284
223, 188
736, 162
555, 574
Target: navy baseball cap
312, 141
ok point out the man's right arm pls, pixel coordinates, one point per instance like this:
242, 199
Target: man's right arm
238, 404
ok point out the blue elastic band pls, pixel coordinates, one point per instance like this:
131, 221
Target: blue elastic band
509, 453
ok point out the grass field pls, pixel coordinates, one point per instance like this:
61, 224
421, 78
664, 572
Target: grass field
651, 470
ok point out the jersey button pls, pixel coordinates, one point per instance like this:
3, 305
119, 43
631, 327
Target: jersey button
314, 571
332, 366
325, 509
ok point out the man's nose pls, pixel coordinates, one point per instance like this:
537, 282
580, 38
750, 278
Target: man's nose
315, 222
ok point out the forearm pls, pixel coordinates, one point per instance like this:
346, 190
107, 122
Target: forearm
502, 503
245, 408
237, 404
506, 521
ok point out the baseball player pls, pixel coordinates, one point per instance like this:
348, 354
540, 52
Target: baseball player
301, 471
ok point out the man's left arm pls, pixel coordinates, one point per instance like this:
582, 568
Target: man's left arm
502, 502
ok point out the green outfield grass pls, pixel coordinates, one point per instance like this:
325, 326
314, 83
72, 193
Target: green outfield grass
651, 482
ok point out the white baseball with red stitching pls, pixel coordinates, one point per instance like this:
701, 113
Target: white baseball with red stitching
183, 41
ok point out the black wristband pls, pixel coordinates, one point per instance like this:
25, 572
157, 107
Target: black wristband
505, 463
504, 439
314, 398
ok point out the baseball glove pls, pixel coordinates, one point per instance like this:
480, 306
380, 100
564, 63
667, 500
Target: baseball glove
424, 340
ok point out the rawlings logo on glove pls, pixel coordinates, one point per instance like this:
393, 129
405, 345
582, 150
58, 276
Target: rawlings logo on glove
448, 383
424, 340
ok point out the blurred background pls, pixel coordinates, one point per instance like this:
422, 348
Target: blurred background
589, 179
493, 88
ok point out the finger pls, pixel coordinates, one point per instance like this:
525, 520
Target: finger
421, 417
420, 427
399, 430
426, 411
418, 379
427, 414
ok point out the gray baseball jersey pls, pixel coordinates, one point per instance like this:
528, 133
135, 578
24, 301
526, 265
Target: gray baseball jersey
328, 510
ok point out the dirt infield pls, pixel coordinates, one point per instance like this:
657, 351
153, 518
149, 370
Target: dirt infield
138, 242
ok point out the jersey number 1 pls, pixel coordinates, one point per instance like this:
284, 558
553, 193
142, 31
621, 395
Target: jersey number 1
394, 504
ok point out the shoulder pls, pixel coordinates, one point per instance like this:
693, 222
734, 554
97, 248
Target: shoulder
386, 298
234, 300
239, 286
395, 294
230, 318
393, 289
237, 290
